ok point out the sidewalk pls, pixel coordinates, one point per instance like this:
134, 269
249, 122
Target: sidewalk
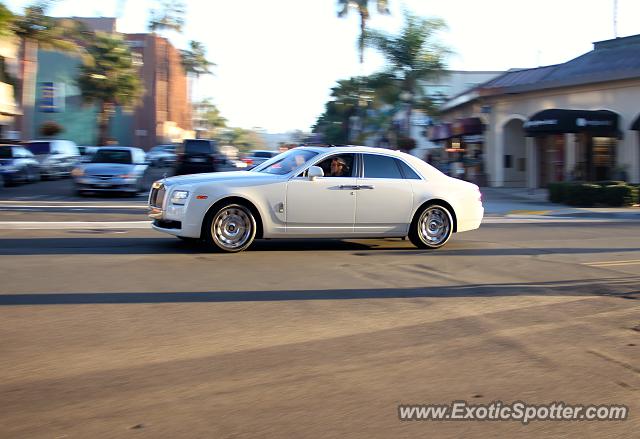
528, 202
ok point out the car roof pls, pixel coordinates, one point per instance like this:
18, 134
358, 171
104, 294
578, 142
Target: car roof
420, 165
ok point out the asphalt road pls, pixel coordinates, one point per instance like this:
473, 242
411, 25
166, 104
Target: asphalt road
113, 332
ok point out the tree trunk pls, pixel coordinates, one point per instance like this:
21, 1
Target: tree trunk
28, 71
363, 26
104, 116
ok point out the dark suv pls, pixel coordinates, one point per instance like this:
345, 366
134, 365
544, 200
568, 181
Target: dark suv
197, 155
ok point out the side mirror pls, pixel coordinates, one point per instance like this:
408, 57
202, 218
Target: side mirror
314, 172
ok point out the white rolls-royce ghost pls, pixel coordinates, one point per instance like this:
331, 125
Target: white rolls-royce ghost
311, 192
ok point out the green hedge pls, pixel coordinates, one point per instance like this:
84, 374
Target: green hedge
604, 193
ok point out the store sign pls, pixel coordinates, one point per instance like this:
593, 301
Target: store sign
582, 122
538, 123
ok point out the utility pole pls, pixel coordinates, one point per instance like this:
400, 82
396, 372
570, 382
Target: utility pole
615, 18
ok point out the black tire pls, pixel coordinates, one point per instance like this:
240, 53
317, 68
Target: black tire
230, 229
432, 227
34, 175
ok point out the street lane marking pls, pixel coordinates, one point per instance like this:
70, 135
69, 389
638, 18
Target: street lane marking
70, 225
541, 220
612, 263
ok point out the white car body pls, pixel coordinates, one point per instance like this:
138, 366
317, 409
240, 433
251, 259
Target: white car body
295, 206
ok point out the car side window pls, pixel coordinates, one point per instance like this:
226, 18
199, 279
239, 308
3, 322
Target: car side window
380, 166
407, 172
340, 165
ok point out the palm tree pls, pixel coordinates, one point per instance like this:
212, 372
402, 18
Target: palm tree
413, 55
170, 16
195, 62
6, 22
363, 9
208, 117
37, 31
110, 78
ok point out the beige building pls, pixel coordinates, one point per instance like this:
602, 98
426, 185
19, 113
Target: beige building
8, 106
573, 121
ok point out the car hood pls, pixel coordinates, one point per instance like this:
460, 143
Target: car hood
230, 176
107, 168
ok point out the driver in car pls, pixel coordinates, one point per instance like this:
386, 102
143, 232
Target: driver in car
339, 167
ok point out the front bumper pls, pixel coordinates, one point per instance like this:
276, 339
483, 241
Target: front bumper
170, 218
107, 185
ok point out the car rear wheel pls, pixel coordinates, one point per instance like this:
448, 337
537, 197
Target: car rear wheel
432, 228
231, 229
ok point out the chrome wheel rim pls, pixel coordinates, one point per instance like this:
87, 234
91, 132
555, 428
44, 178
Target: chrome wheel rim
434, 226
232, 227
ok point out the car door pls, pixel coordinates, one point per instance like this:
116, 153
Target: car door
384, 198
322, 207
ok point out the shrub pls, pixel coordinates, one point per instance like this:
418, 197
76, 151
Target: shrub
557, 192
50, 128
608, 193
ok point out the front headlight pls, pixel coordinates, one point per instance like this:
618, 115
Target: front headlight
179, 197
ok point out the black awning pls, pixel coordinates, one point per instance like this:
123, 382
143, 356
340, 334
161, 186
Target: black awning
467, 126
557, 121
636, 124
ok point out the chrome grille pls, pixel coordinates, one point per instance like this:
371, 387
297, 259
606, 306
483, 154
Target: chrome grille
156, 198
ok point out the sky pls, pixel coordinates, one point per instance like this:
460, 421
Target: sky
278, 59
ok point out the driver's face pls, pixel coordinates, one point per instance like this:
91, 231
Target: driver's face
336, 167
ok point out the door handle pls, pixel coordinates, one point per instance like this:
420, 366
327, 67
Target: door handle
366, 186
348, 187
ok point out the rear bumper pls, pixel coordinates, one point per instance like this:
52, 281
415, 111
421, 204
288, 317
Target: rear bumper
471, 220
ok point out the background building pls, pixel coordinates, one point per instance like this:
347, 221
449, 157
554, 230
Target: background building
8, 74
163, 116
573, 121
165, 113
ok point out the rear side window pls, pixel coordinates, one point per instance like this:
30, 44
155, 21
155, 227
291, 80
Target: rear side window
198, 147
39, 147
6, 152
408, 173
379, 166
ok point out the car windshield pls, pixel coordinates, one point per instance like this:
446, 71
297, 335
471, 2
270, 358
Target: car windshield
197, 147
39, 147
112, 156
286, 162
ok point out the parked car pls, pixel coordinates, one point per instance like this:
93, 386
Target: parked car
197, 155
86, 152
162, 155
258, 157
112, 169
342, 192
56, 157
18, 165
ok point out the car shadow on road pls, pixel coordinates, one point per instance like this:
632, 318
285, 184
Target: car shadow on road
626, 288
110, 245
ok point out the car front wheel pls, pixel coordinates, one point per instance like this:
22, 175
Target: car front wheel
231, 229
432, 228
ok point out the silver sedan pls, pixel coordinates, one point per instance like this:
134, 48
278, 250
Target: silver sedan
112, 169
